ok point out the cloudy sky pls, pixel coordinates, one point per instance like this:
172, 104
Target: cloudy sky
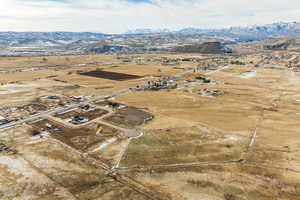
116, 16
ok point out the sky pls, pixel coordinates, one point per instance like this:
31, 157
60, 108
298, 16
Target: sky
117, 16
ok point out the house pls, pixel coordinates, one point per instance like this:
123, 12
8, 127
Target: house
78, 119
87, 108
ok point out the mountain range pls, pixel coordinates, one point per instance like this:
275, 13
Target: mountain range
270, 31
142, 40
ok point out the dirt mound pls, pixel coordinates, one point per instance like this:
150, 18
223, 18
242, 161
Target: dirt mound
207, 48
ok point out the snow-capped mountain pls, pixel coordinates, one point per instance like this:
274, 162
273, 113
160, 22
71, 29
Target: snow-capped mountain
148, 38
45, 38
148, 31
257, 32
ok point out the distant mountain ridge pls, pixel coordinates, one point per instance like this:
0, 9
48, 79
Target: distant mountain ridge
269, 31
148, 31
46, 38
145, 40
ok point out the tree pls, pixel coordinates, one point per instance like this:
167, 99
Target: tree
45, 60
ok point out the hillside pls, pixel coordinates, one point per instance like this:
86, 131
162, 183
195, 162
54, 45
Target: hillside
206, 48
19, 39
285, 44
148, 38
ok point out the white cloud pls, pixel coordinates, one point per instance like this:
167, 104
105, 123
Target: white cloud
114, 16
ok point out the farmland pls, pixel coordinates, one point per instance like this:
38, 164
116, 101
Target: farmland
149, 126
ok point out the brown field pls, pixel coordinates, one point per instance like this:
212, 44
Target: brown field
83, 139
170, 149
62, 78
184, 145
48, 170
240, 145
110, 75
129, 117
91, 115
66, 115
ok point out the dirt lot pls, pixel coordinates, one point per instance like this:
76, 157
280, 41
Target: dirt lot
91, 115
110, 75
129, 117
34, 108
83, 139
66, 115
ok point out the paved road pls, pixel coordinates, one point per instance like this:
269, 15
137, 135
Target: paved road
40, 115
61, 109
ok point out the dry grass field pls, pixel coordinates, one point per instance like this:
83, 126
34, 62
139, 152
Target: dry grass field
190, 163
241, 144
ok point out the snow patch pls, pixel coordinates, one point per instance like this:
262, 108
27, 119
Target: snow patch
248, 75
